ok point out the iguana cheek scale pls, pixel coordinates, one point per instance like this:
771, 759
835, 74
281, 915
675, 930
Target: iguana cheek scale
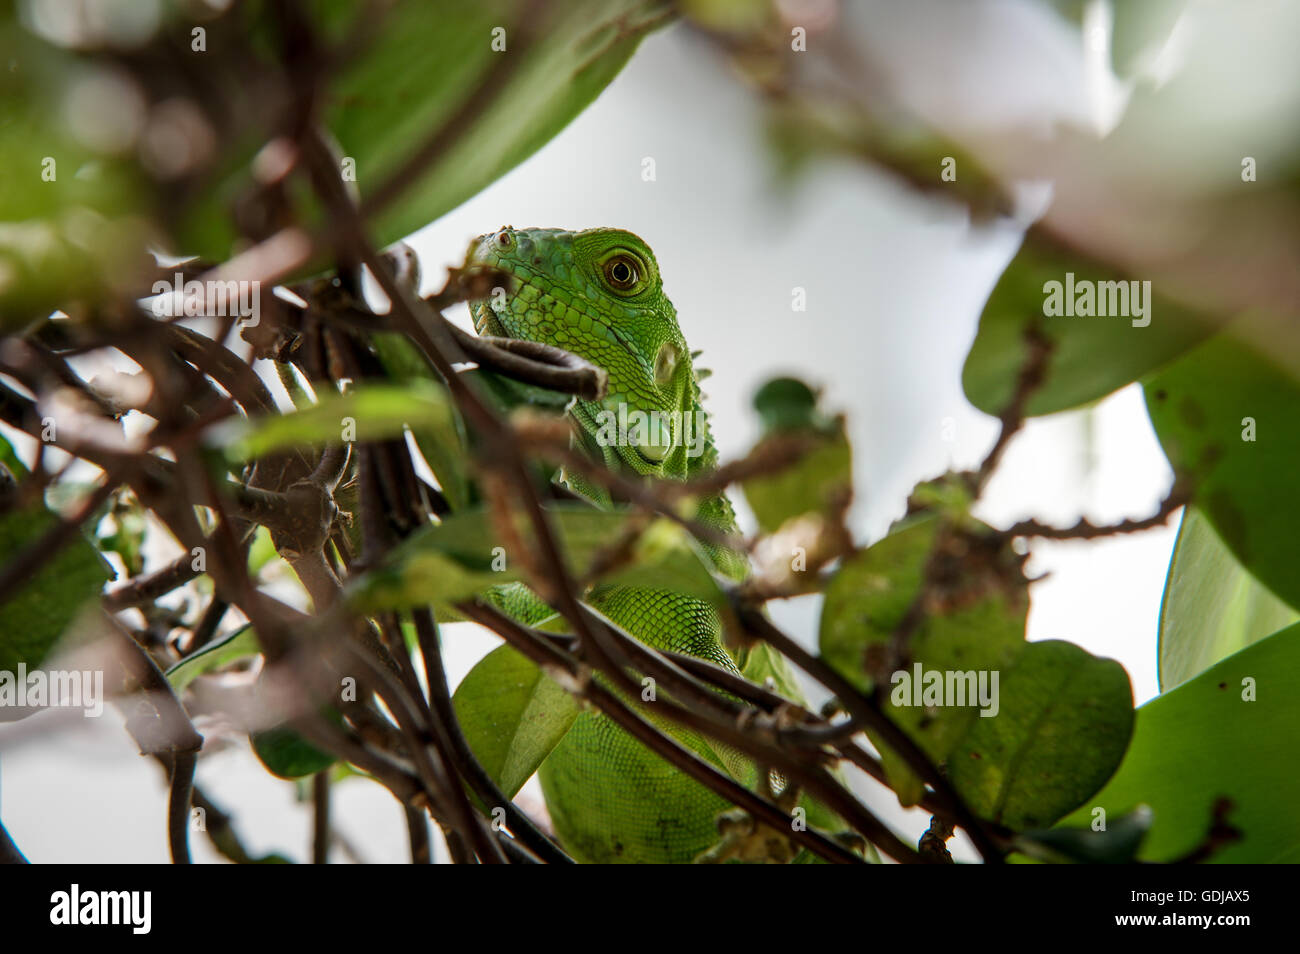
598, 294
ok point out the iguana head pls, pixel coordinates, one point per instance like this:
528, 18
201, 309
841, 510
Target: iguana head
597, 293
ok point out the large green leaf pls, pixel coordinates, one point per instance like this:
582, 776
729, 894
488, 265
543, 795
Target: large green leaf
461, 557
513, 715
1229, 420
1091, 356
1062, 722
981, 628
1212, 605
1230, 732
420, 64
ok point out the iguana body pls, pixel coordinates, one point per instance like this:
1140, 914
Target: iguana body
598, 294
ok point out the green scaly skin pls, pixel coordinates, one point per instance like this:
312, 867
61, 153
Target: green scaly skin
598, 294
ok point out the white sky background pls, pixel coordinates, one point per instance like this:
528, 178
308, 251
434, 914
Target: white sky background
895, 285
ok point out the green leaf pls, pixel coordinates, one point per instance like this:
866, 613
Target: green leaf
506, 394
419, 65
513, 715
1116, 844
78, 256
665, 556
241, 644
1229, 421
821, 479
788, 404
72, 231
767, 667
36, 615
461, 557
1141, 27
368, 413
287, 754
1091, 357
1212, 606
262, 551
1062, 722
1230, 732
763, 663
440, 438
10, 460
982, 629
427, 59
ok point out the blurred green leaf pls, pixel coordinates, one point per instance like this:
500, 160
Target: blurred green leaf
442, 444
78, 257
1230, 732
821, 479
513, 715
428, 57
767, 667
763, 663
75, 227
982, 628
1228, 417
262, 550
1212, 606
665, 556
10, 460
241, 644
287, 754
461, 557
441, 438
818, 483
34, 617
366, 413
788, 404
128, 533
1062, 723
1141, 28
1116, 844
1091, 356
506, 394
418, 67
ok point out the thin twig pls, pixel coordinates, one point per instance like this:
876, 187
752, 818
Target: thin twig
320, 803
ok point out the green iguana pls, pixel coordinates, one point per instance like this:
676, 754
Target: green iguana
598, 294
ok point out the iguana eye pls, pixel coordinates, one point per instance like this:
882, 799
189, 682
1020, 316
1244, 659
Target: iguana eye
622, 272
505, 239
